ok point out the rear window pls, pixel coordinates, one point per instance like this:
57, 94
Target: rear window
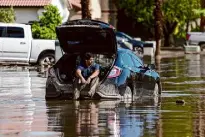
2, 31
15, 32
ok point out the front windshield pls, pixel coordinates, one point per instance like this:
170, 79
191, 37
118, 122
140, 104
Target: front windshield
125, 35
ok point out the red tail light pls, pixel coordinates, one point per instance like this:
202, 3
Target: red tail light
115, 72
187, 36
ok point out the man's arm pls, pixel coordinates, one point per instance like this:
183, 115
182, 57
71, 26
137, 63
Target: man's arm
95, 74
78, 74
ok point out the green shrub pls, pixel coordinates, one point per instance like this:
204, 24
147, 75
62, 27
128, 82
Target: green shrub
45, 28
7, 15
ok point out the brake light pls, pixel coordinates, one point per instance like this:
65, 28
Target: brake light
115, 72
187, 36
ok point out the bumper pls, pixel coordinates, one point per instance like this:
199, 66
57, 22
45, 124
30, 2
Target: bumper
106, 90
54, 89
190, 49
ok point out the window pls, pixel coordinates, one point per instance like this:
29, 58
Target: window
124, 36
15, 32
2, 31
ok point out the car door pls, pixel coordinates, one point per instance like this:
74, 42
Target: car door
15, 44
2, 34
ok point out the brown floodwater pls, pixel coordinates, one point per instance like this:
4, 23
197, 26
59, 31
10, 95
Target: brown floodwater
24, 112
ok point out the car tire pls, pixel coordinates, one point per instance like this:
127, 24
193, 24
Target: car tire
47, 59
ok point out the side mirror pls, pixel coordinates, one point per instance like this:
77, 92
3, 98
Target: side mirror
122, 40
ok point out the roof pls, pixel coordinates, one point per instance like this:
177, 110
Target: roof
76, 3
24, 2
12, 24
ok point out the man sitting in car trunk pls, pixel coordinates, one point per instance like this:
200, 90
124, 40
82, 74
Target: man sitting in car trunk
86, 75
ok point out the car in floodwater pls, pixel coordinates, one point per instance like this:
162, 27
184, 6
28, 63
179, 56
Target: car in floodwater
122, 72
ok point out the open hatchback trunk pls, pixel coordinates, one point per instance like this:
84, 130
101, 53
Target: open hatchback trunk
75, 38
81, 36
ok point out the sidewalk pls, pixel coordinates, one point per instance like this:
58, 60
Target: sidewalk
169, 52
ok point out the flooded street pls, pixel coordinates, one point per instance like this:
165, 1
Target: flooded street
26, 113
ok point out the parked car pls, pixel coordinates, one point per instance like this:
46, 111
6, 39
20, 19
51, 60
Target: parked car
124, 39
18, 46
122, 72
195, 39
124, 44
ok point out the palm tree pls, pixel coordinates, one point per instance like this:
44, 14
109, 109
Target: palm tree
85, 9
158, 25
202, 23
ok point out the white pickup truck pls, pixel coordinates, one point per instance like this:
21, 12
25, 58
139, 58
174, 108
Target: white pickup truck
196, 39
18, 46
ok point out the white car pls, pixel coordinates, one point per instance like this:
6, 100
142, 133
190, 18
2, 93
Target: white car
18, 46
195, 39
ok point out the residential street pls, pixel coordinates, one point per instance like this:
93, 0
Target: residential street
24, 111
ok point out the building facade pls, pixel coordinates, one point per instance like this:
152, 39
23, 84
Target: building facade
103, 10
30, 10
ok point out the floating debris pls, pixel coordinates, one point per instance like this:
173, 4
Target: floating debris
180, 102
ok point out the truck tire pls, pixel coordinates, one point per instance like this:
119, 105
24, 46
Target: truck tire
47, 59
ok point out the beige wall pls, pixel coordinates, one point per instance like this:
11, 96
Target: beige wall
23, 15
95, 10
109, 12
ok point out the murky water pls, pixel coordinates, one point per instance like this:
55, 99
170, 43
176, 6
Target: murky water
25, 113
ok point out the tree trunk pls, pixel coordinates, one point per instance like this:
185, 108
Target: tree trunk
187, 26
85, 9
158, 26
202, 23
168, 30
168, 40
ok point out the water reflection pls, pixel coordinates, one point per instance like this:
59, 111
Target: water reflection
193, 64
103, 118
22, 103
183, 79
25, 113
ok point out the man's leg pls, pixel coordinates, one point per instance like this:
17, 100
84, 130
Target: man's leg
77, 88
93, 86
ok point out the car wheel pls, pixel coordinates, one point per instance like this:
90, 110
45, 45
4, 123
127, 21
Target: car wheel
47, 59
202, 46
